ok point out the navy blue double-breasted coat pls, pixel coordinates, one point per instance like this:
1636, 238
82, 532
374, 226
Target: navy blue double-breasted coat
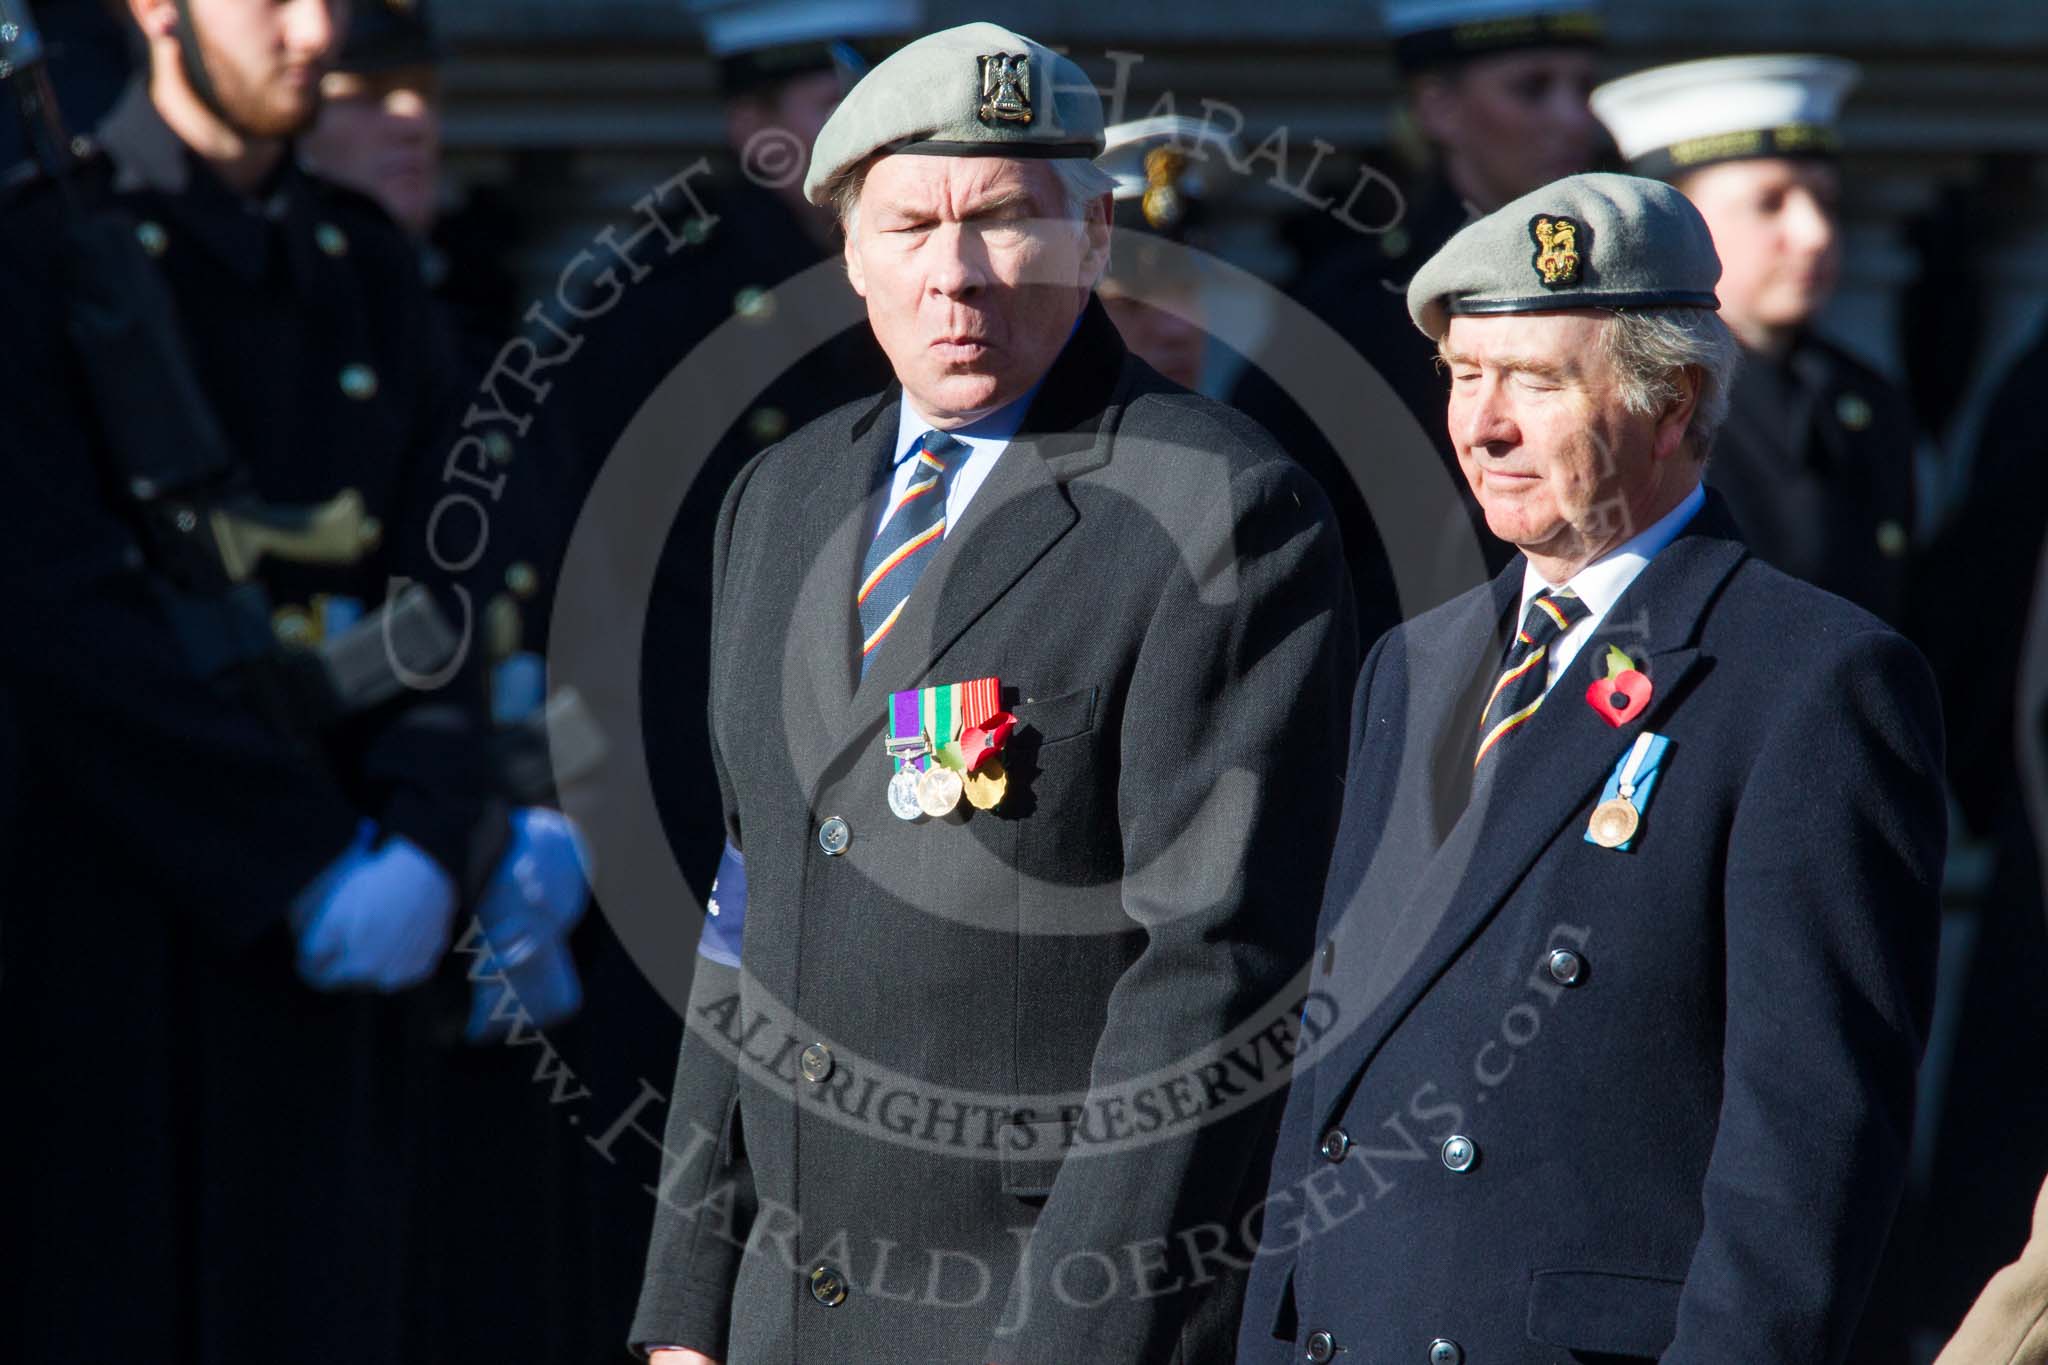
1576, 1103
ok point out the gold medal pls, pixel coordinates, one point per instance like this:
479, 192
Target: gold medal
985, 786
1614, 822
938, 791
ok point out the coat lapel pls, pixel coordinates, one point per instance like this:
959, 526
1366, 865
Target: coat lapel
1544, 778
836, 516
1016, 516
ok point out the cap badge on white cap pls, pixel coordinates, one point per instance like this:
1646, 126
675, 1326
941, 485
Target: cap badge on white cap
1557, 250
1005, 88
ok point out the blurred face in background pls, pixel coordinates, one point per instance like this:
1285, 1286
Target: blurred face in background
973, 270
772, 132
1508, 124
1166, 341
380, 132
264, 58
1151, 299
1776, 226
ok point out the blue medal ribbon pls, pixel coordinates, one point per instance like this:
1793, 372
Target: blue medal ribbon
1639, 766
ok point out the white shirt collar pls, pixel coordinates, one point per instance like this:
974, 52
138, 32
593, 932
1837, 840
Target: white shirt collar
989, 434
1600, 584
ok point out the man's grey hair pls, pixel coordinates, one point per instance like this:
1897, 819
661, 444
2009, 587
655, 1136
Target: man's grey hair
1081, 184
1648, 347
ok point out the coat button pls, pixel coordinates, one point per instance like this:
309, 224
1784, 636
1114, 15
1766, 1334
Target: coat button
1321, 1347
828, 1286
834, 835
1892, 540
1854, 411
1459, 1153
1444, 1351
359, 382
331, 239
1334, 1145
293, 626
815, 1062
1567, 968
767, 425
152, 238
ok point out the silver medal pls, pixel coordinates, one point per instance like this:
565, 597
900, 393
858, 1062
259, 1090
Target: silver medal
903, 795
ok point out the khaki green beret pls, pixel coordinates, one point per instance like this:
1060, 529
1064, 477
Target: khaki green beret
975, 90
1587, 241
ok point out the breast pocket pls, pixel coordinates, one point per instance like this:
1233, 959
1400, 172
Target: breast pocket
1604, 1313
1055, 719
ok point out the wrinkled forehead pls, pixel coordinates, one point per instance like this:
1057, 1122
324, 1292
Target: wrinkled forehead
949, 186
1563, 339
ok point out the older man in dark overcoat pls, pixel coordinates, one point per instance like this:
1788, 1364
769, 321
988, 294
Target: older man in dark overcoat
1630, 933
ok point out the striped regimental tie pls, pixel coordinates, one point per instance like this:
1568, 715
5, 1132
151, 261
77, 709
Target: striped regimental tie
1525, 676
910, 537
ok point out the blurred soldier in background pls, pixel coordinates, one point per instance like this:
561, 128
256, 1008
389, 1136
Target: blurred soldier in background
231, 854
1497, 103
495, 1258
380, 132
1817, 458
782, 67
1153, 293
1989, 1128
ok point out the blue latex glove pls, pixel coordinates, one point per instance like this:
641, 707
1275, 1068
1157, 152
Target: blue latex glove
377, 918
534, 899
519, 687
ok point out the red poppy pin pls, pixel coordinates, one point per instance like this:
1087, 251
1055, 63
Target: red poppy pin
979, 743
1620, 696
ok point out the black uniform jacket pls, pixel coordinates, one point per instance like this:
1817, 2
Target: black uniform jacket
233, 1156
1816, 462
922, 1140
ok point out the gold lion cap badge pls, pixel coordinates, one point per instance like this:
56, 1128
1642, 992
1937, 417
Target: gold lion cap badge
1557, 258
1005, 88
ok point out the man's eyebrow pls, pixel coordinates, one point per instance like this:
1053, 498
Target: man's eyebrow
996, 203
1543, 367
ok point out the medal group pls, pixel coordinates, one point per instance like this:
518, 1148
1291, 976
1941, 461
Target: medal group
946, 744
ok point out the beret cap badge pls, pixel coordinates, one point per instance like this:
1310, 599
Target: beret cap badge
1557, 250
1005, 88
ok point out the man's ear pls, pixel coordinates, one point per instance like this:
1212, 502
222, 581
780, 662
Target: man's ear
1095, 261
1676, 419
854, 275
156, 18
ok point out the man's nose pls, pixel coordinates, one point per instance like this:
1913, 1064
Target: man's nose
1482, 419
315, 27
1809, 226
409, 106
959, 267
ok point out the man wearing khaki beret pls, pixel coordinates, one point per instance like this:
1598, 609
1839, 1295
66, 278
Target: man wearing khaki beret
1027, 706
1631, 927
